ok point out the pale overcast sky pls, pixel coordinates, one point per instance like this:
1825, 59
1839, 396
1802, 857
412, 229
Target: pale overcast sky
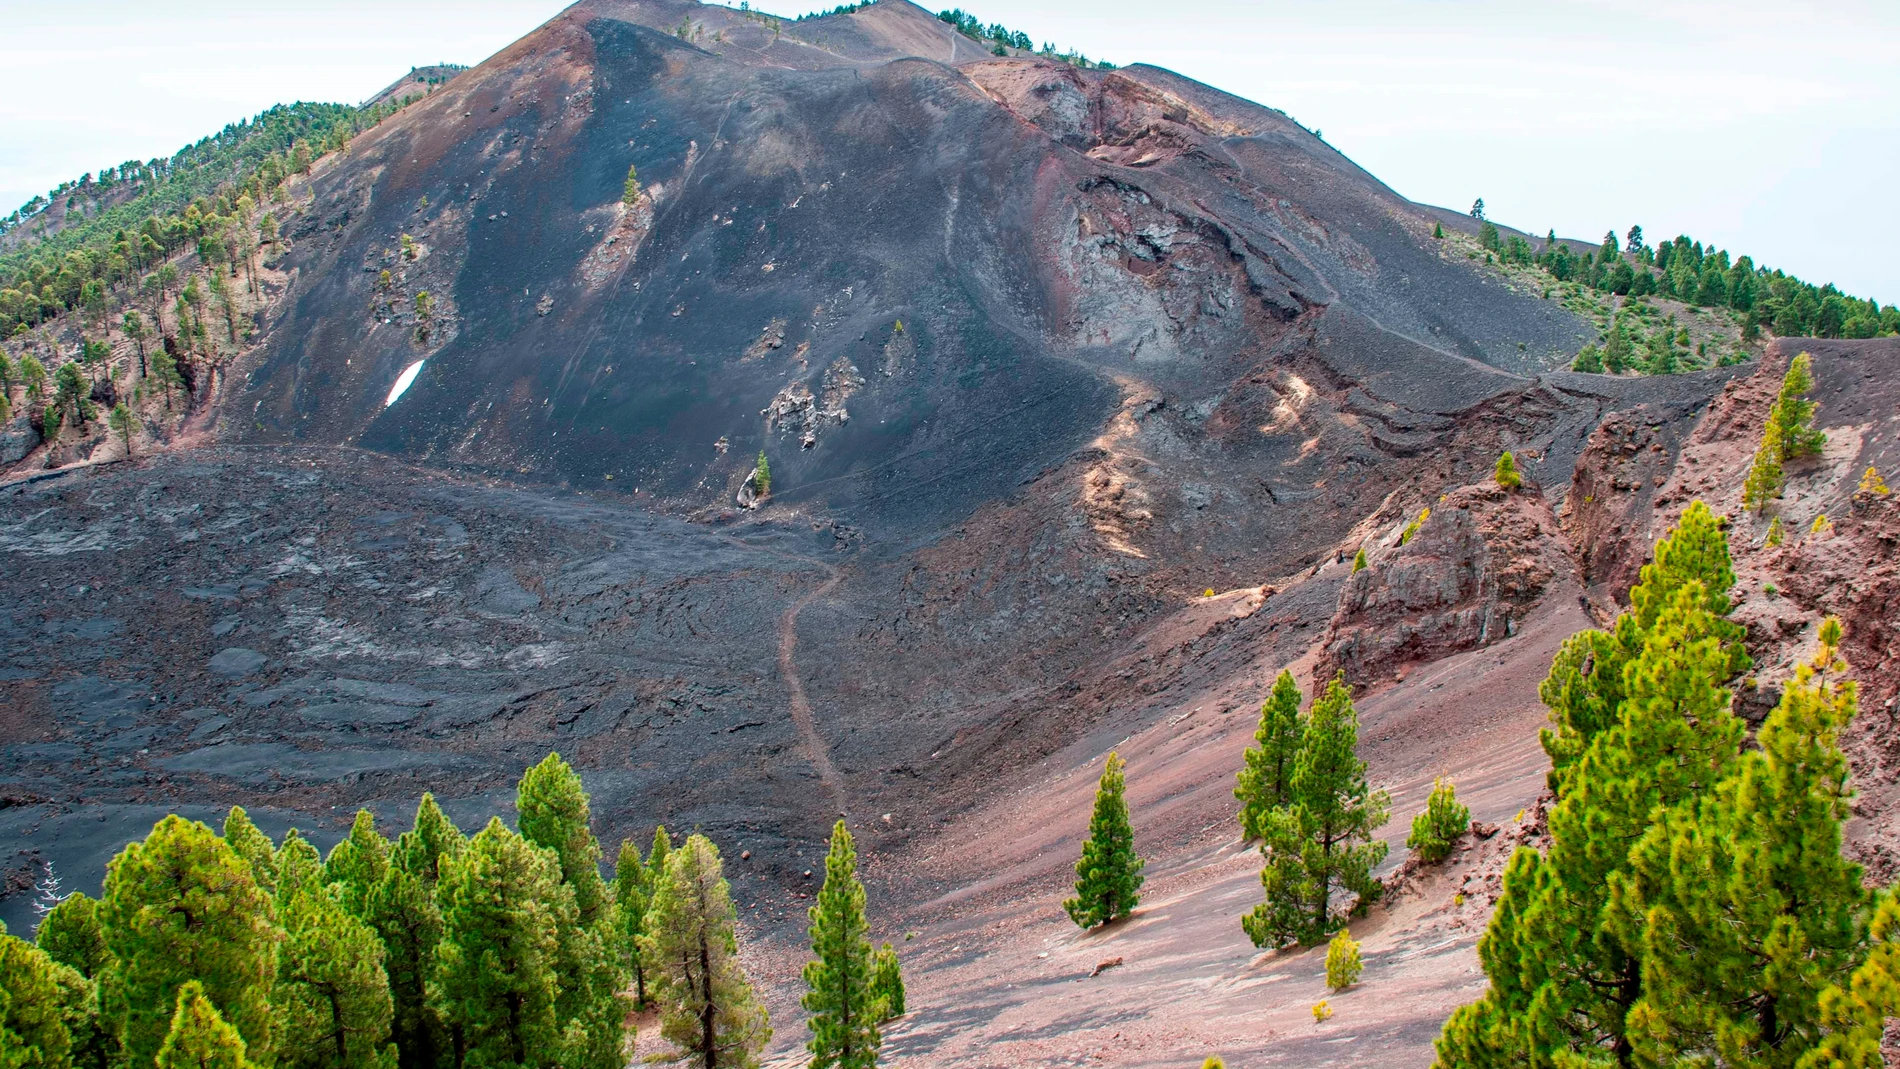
1771, 128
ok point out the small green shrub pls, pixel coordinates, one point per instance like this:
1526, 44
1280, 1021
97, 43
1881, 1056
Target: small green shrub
1439, 826
1342, 961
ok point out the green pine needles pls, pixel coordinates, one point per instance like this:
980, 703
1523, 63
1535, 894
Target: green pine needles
1342, 961
1108, 877
1318, 846
1693, 906
630, 190
887, 980
762, 475
1506, 473
436, 950
708, 1011
1794, 415
1266, 777
843, 996
1441, 824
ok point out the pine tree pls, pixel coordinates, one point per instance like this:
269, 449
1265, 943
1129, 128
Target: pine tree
630, 190
124, 422
1440, 825
358, 863
1438, 231
1342, 961
762, 476
1585, 688
298, 865
331, 999
554, 815
1561, 978
657, 853
1765, 478
842, 1000
1505, 473
1794, 416
198, 1036
1741, 904
70, 935
887, 980
182, 906
1776, 533
1871, 484
708, 1010
1266, 779
251, 844
1322, 843
632, 890
1108, 876
404, 913
1589, 361
1359, 561
433, 837
32, 1018
494, 985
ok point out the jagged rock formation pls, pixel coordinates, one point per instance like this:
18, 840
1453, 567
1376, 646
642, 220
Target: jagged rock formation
1463, 580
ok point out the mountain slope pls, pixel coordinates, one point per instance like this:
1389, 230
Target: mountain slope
1080, 389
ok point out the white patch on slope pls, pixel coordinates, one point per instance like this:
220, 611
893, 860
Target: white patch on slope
403, 380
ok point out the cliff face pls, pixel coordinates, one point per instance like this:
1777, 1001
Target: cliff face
1466, 578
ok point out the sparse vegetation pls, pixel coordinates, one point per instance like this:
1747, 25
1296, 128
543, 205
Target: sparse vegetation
1412, 528
1342, 961
1442, 823
1871, 484
1002, 39
1505, 472
887, 981
1322, 1011
1776, 534
762, 476
1822, 526
1359, 561
1108, 876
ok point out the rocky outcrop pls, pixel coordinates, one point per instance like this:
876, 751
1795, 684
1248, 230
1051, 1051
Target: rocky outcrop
1463, 580
18, 437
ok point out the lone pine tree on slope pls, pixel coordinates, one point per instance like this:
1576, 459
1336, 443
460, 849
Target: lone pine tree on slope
843, 999
1109, 874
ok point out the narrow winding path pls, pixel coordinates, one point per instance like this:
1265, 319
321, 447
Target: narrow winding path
813, 744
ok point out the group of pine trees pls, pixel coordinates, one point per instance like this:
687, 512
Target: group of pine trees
1692, 906
1304, 797
1686, 271
436, 951
1002, 39
1305, 800
166, 256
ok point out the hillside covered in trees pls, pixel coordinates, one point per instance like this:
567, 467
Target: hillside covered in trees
1097, 577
